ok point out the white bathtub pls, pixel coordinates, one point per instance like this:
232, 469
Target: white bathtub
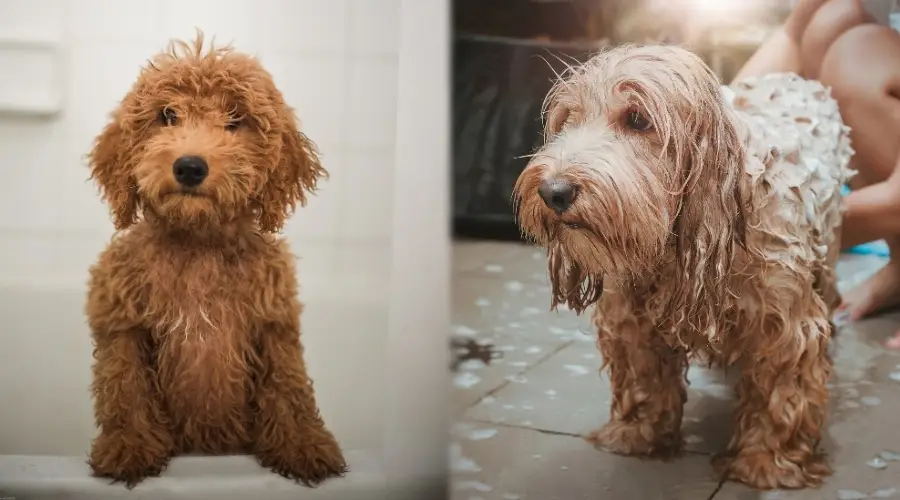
46, 421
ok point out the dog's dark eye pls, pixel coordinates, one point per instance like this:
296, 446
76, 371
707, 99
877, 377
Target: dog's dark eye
637, 121
168, 117
233, 124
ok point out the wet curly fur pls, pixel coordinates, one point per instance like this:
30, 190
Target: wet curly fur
193, 306
699, 226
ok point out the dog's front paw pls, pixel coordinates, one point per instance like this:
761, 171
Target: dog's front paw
311, 463
636, 439
126, 460
762, 470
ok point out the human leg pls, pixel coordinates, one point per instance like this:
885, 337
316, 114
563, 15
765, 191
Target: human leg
800, 44
868, 93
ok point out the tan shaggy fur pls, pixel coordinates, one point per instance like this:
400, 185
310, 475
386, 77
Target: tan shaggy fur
193, 306
705, 222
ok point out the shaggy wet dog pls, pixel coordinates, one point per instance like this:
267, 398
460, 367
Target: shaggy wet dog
700, 220
193, 306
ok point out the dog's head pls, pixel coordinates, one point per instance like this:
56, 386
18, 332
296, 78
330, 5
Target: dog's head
641, 167
204, 137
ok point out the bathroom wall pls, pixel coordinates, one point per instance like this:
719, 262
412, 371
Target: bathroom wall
65, 65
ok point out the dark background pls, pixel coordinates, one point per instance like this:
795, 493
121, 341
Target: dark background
504, 56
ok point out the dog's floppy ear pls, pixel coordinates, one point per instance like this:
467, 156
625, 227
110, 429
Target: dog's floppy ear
111, 169
296, 173
711, 223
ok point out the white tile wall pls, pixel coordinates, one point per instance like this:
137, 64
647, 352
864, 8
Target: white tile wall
335, 61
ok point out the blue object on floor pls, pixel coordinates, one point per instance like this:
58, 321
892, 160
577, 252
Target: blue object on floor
876, 248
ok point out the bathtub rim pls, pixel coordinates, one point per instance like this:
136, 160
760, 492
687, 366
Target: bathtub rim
224, 477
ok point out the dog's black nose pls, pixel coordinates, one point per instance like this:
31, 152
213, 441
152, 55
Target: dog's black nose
190, 170
558, 194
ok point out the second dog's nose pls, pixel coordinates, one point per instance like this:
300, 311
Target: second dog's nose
190, 170
558, 194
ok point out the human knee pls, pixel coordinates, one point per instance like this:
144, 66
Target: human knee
863, 62
829, 23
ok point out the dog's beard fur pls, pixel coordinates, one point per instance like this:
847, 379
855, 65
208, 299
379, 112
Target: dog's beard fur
571, 283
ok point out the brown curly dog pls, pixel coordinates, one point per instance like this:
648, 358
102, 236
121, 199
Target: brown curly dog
700, 220
193, 306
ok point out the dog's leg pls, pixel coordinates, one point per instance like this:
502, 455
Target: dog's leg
782, 404
135, 440
648, 390
290, 437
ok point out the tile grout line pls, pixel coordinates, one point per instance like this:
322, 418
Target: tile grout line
564, 433
526, 370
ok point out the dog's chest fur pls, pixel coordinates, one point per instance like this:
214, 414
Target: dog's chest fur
205, 308
203, 339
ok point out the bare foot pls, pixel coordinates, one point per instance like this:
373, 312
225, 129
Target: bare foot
880, 292
893, 342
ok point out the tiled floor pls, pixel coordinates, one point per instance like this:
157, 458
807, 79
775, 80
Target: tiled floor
519, 417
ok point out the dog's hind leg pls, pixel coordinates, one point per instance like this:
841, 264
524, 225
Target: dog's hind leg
648, 386
782, 401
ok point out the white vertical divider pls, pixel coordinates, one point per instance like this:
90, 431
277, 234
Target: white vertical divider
417, 383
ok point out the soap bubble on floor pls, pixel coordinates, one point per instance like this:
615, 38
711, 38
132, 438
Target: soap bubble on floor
577, 370
459, 462
481, 434
488, 400
514, 286
851, 495
464, 331
870, 401
466, 380
472, 485
482, 302
493, 268
472, 364
693, 439
877, 463
530, 311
